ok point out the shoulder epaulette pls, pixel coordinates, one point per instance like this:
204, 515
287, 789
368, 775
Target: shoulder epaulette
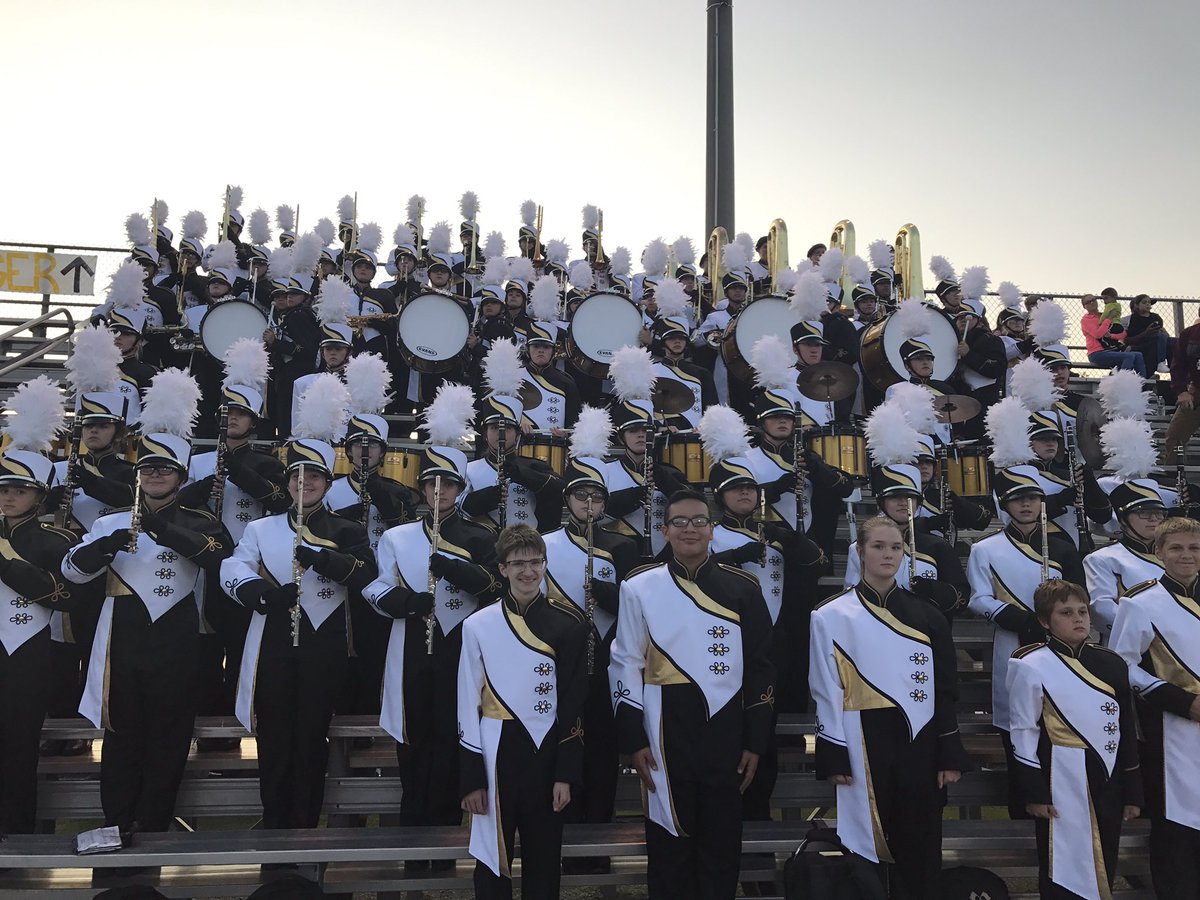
1092, 646
60, 531
645, 567
202, 512
483, 522
1138, 588
828, 600
567, 607
740, 571
1027, 649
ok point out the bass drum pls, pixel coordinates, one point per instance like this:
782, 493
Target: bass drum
432, 333
602, 324
879, 352
766, 315
230, 321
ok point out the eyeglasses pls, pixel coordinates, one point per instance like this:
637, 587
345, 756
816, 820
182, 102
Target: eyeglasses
585, 496
694, 521
157, 470
535, 563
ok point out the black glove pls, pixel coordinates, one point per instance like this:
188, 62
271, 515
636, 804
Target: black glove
440, 566
116, 542
942, 595
938, 522
280, 598
310, 558
421, 604
153, 523
751, 551
787, 483
398, 606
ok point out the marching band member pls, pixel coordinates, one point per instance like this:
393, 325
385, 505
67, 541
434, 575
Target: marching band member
528, 489
291, 336
516, 297
376, 336
32, 590
127, 320
912, 320
1047, 327
560, 396
671, 331
931, 516
884, 679
402, 264
883, 272
433, 573
947, 290
295, 571
223, 274
808, 343
333, 305
142, 670
736, 285
693, 692
983, 365
1074, 736
1005, 568
585, 564
160, 304
655, 256
1156, 635
631, 501
522, 684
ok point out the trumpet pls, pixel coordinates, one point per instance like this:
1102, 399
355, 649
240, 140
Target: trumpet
431, 618
297, 568
135, 514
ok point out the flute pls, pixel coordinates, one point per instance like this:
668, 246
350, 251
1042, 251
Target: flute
135, 514
1045, 545
912, 542
297, 569
648, 500
364, 497
431, 617
589, 601
762, 527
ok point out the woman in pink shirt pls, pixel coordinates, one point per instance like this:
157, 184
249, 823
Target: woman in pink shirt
1095, 328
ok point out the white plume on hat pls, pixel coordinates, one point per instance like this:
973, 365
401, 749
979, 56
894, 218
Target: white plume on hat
880, 252
234, 195
529, 214
787, 280
975, 282
632, 373
917, 404
1033, 385
285, 217
161, 211
557, 251
449, 416
306, 253
723, 433
493, 245
1008, 428
416, 208
404, 234
1128, 445
323, 409
368, 380
654, 258
746, 242
913, 319
335, 300
619, 261
259, 227
941, 269
1010, 294
128, 286
94, 363
38, 415
325, 230
736, 258
1122, 396
195, 226
581, 276
833, 261
858, 270
137, 229
345, 208
891, 440
171, 404
222, 256
247, 362
281, 265
1047, 323
685, 251
672, 299
502, 372
805, 265
772, 362
592, 434
495, 270
543, 299
591, 217
521, 269
439, 238
809, 296
370, 236
468, 205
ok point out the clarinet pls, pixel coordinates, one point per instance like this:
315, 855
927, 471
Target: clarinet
1181, 486
364, 497
431, 618
799, 472
1081, 523
912, 543
135, 514
217, 497
1045, 545
63, 516
297, 569
648, 501
945, 501
501, 454
589, 601
762, 528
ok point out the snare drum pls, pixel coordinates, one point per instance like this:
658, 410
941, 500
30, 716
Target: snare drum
841, 446
602, 324
686, 453
229, 321
967, 472
879, 352
766, 315
549, 448
432, 332
403, 466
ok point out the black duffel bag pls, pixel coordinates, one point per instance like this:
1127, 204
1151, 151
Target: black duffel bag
823, 869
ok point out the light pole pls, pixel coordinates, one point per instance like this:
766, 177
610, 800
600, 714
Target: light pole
719, 195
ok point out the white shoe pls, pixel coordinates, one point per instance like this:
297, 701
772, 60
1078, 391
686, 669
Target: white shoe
1163, 367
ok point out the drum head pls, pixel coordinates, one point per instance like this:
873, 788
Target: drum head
434, 327
228, 322
942, 338
604, 323
766, 315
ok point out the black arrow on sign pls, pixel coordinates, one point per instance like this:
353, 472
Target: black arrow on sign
74, 266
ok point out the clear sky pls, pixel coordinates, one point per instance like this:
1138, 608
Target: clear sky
1054, 141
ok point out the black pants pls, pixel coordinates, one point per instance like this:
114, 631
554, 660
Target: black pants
525, 790
68, 660
594, 800
220, 654
1016, 802
294, 693
364, 681
151, 703
703, 862
429, 761
1174, 860
25, 686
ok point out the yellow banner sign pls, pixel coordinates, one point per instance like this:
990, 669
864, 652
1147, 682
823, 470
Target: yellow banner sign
40, 272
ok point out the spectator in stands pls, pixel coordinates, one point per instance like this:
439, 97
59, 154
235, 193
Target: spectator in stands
1144, 332
1105, 338
1185, 367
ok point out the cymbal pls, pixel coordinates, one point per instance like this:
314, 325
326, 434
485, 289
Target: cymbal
954, 408
530, 396
827, 382
671, 397
1089, 418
